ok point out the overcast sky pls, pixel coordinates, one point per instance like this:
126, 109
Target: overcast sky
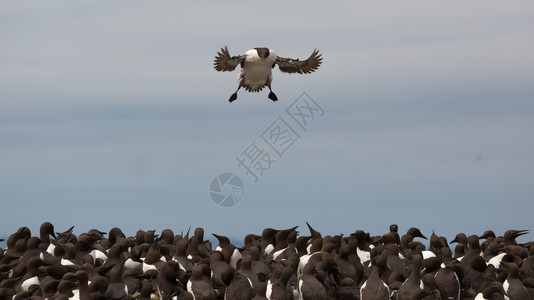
112, 115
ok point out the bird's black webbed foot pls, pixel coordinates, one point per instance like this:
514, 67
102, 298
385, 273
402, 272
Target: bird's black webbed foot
233, 97
272, 96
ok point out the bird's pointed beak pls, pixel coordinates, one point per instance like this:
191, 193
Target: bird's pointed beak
522, 232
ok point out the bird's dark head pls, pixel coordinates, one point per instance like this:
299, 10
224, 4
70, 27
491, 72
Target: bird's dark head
263, 53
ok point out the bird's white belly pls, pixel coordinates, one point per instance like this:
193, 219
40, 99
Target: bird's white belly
28, 282
256, 75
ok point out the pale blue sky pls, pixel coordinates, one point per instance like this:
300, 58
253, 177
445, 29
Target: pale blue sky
112, 115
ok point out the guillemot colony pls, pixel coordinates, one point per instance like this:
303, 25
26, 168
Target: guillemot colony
276, 264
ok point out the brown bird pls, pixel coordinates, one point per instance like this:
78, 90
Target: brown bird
256, 65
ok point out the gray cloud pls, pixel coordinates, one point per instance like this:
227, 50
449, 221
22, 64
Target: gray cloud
119, 106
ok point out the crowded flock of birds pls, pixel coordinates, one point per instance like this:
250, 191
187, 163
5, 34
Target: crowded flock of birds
278, 264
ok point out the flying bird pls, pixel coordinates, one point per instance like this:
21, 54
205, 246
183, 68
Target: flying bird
256, 65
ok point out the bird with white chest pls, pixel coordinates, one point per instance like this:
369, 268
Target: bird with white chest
256, 68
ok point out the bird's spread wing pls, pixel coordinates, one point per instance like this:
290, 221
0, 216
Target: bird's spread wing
309, 65
223, 61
